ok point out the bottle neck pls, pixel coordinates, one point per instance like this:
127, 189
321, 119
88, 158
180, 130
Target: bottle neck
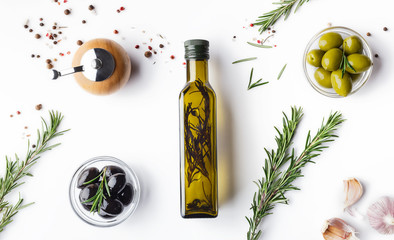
197, 70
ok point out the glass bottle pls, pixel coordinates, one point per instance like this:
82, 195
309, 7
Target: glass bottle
198, 155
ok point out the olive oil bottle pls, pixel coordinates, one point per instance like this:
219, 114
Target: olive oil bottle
198, 155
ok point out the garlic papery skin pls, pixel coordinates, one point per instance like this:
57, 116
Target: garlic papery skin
338, 229
353, 191
381, 215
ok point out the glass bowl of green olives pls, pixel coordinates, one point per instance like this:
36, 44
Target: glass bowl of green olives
104, 191
337, 62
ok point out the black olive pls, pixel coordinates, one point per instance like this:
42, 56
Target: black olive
111, 207
88, 192
104, 215
87, 206
87, 175
126, 195
116, 183
111, 170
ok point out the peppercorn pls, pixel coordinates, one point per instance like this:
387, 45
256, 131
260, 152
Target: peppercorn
41, 19
67, 11
368, 34
172, 57
30, 30
38, 36
34, 146
116, 31
33, 55
55, 35
154, 52
91, 7
55, 42
161, 46
60, 32
273, 31
234, 37
48, 61
26, 26
54, 27
83, 21
122, 8
41, 24
49, 66
55, 0
376, 55
118, 11
79, 42
38, 56
149, 47
11, 115
137, 46
148, 54
17, 112
385, 29
38, 106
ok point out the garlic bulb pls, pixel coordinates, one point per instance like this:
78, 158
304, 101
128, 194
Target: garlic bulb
353, 191
381, 215
338, 229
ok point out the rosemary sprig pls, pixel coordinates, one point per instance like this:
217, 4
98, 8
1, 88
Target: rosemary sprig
275, 183
269, 19
258, 45
345, 63
244, 60
17, 169
97, 199
255, 84
281, 71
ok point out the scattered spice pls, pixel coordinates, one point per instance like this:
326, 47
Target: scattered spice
11, 115
18, 112
41, 24
91, 7
122, 8
26, 26
251, 25
385, 29
55, 42
38, 36
154, 52
49, 66
117, 10
68, 53
28, 135
234, 37
38, 107
61, 54
172, 57
83, 21
273, 31
67, 11
60, 32
38, 56
149, 47
55, 35
54, 27
79, 42
116, 31
148, 54
368, 34
376, 55
48, 61
34, 146
26, 127
137, 46
30, 30
33, 55
55, 59
161, 46
41, 19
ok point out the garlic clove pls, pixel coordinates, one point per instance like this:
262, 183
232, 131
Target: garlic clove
338, 229
381, 215
353, 191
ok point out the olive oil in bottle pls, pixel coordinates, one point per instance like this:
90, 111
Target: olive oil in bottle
197, 102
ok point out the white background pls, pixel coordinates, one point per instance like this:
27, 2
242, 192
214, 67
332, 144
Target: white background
139, 123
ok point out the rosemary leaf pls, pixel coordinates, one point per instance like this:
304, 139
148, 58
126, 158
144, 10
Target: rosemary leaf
255, 84
268, 19
281, 71
245, 60
259, 45
278, 179
17, 169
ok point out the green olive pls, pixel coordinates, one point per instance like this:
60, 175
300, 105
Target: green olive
332, 59
352, 45
314, 57
359, 62
341, 85
330, 40
323, 77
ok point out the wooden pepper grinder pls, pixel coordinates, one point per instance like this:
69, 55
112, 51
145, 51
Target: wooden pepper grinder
101, 67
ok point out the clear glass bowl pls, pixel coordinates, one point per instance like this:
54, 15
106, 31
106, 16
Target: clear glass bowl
309, 70
94, 218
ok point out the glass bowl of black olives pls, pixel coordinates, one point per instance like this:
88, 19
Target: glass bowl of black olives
104, 191
337, 62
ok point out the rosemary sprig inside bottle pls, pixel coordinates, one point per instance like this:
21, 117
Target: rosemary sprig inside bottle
17, 169
269, 19
276, 182
97, 199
